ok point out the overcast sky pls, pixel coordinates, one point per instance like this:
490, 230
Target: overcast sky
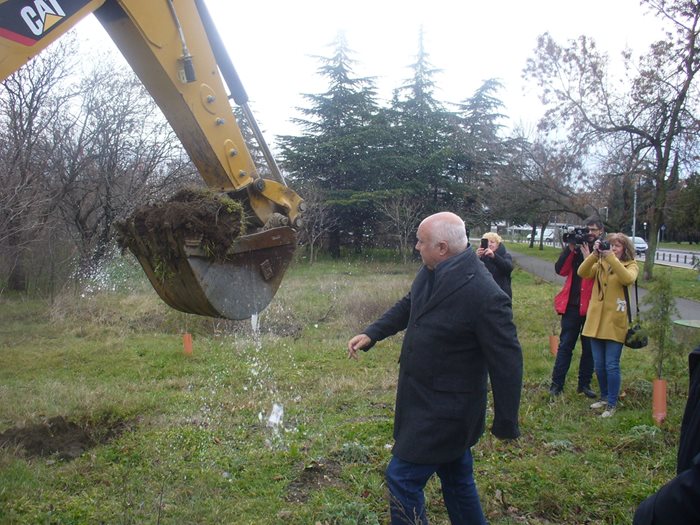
273, 45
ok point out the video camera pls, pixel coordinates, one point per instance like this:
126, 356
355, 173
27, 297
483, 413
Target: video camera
575, 235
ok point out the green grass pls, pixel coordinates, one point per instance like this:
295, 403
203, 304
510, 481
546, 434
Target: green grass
680, 246
685, 282
194, 446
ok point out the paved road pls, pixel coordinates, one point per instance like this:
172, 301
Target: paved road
544, 269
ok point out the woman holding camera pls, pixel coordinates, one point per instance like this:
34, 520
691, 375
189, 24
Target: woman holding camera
612, 267
497, 260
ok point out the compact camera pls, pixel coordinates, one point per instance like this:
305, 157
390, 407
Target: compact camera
484, 243
603, 246
575, 235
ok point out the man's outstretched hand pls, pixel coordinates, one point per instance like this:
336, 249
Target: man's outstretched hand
358, 342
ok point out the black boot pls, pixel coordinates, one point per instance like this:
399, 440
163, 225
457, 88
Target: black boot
555, 390
586, 391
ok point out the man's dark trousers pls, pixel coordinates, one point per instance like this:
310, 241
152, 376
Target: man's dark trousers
406, 481
571, 324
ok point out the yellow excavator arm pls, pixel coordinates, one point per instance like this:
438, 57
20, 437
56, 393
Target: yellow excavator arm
174, 48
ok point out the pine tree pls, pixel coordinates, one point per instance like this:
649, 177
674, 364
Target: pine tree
422, 135
336, 147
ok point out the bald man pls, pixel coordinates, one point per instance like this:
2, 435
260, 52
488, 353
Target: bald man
459, 332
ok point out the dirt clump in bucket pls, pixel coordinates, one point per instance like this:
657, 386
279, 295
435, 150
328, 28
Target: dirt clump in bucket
158, 230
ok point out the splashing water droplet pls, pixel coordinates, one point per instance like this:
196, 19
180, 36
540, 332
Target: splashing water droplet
255, 323
275, 418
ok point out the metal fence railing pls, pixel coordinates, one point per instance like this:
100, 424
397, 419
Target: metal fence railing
680, 258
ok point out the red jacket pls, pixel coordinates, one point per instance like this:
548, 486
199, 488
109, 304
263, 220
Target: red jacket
561, 300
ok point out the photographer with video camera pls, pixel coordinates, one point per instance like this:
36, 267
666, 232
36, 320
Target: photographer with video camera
571, 303
612, 267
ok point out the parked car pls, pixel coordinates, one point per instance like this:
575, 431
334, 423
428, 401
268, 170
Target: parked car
640, 245
548, 236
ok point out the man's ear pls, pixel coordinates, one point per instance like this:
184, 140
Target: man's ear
443, 248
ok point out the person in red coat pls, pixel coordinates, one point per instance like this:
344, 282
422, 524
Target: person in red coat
459, 334
572, 304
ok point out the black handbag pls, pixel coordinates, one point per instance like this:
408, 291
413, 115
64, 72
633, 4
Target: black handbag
636, 335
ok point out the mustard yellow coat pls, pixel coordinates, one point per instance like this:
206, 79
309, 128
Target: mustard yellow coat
607, 312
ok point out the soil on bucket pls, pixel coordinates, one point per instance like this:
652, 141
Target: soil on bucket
66, 439
193, 213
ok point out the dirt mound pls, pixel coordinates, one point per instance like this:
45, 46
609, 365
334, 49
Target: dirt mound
66, 439
315, 476
155, 230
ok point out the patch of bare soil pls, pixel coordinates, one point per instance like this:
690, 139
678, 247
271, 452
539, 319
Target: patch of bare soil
58, 436
315, 476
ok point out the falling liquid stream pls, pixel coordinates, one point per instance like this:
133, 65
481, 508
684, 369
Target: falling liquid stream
274, 421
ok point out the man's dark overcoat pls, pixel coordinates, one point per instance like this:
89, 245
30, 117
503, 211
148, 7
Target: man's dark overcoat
459, 329
678, 501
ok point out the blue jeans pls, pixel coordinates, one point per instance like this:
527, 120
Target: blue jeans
606, 359
571, 324
407, 501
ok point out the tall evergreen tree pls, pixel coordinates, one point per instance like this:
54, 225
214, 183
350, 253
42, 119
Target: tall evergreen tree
422, 135
479, 152
336, 147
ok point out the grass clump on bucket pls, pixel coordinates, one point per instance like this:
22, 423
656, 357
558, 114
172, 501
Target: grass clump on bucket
194, 216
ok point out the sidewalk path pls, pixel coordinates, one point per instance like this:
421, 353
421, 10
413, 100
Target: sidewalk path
686, 309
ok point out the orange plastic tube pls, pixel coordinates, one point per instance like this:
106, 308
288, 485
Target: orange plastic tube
658, 401
187, 343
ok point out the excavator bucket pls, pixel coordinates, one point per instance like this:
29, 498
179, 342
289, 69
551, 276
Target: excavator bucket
237, 286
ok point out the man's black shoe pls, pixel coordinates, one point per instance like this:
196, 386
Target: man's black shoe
586, 391
554, 390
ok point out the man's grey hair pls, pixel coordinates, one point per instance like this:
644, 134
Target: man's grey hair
453, 233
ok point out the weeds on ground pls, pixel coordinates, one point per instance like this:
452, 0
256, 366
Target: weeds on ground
200, 440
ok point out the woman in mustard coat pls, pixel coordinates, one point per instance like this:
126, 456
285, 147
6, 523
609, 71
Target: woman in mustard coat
611, 269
